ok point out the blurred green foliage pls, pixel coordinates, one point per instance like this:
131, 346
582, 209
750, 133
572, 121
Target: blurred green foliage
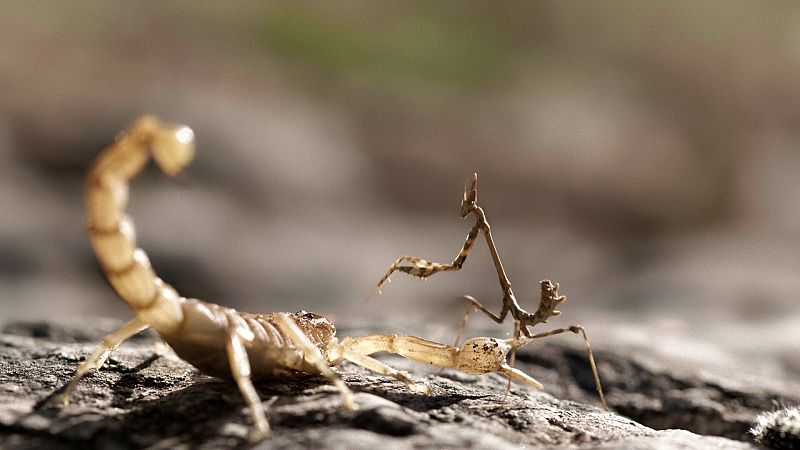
419, 48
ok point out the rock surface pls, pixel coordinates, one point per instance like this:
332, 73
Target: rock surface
146, 397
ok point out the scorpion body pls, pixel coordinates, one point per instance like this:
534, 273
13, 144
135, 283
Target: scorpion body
220, 341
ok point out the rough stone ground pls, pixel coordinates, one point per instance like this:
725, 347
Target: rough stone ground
145, 397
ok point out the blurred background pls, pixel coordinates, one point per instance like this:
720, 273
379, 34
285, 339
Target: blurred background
644, 155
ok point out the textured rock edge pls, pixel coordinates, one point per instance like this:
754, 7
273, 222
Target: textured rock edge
147, 397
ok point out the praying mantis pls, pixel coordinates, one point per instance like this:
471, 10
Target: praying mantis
548, 301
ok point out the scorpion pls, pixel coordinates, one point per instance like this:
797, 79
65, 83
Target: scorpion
548, 301
220, 341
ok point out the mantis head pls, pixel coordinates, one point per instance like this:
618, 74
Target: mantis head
470, 196
548, 302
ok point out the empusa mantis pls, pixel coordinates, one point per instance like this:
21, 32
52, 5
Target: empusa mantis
549, 300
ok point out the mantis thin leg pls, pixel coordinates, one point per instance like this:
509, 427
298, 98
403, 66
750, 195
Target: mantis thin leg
463, 326
108, 344
499, 318
577, 329
472, 306
512, 359
461, 329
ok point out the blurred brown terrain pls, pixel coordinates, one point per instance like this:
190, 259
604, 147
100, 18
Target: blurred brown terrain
644, 155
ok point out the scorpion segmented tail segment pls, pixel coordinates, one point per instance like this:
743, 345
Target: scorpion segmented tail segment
111, 231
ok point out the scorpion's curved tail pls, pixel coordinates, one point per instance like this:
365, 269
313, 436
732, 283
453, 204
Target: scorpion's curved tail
111, 231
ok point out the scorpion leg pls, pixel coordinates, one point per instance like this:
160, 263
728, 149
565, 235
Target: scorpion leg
108, 344
313, 356
240, 370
